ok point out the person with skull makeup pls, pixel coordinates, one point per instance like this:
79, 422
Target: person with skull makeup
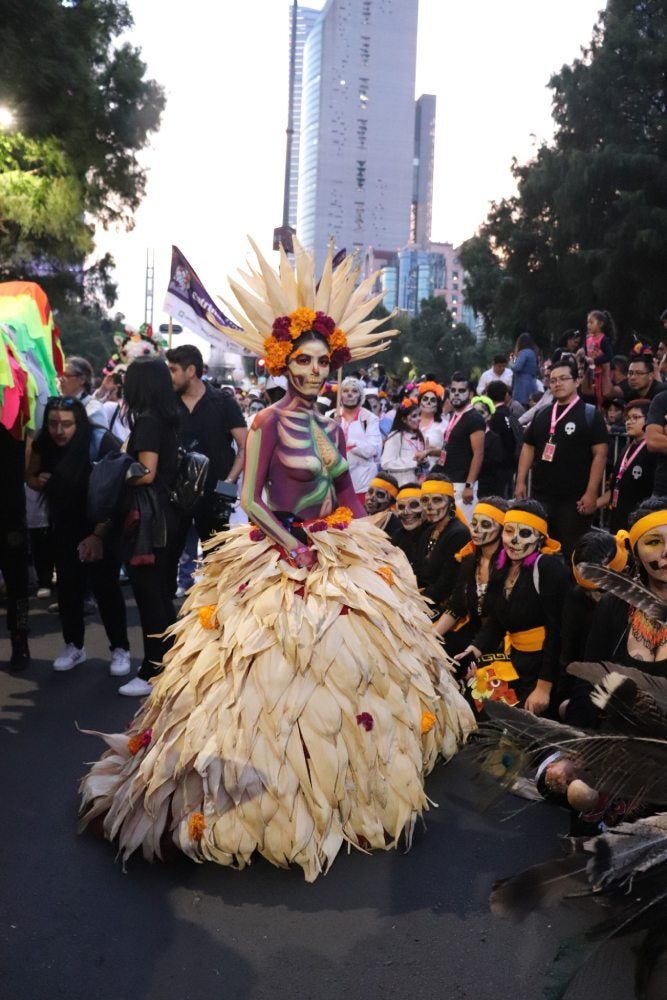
566, 447
409, 514
431, 400
444, 533
381, 497
523, 605
361, 429
463, 615
463, 446
304, 646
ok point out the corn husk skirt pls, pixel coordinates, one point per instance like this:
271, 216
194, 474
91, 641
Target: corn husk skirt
297, 710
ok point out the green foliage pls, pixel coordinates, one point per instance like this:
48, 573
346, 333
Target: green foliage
588, 228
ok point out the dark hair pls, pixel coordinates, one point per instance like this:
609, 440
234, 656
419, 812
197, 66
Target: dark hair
596, 546
648, 506
614, 401
498, 502
83, 369
499, 359
620, 361
606, 322
388, 478
569, 335
525, 340
460, 377
530, 506
440, 477
69, 465
496, 391
647, 359
185, 355
148, 389
566, 361
407, 486
637, 404
400, 425
663, 315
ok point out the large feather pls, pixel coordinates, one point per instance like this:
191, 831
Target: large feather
541, 885
594, 673
628, 590
626, 708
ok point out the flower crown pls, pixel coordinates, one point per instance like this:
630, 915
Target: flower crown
287, 329
433, 387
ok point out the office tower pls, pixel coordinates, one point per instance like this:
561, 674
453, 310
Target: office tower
305, 19
422, 178
358, 126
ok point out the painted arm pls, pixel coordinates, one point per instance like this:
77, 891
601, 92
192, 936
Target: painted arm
260, 444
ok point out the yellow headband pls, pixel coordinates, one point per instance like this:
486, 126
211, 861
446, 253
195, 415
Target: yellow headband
438, 486
382, 484
551, 546
493, 512
657, 519
617, 563
409, 493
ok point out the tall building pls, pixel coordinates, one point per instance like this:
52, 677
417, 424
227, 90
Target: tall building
422, 175
305, 19
358, 126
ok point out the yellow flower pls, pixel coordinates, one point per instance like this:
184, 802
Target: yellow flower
207, 618
276, 354
428, 722
196, 826
386, 574
301, 320
341, 515
337, 340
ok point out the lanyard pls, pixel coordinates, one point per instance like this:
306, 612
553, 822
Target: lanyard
453, 421
556, 420
628, 458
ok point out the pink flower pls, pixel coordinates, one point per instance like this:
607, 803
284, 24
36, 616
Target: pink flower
256, 535
318, 526
146, 737
242, 587
365, 719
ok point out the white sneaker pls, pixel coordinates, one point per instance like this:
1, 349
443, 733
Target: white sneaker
43, 592
136, 688
181, 591
120, 662
70, 656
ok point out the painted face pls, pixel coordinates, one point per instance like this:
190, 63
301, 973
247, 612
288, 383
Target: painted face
484, 529
61, 425
483, 410
350, 396
459, 393
435, 507
652, 553
377, 500
308, 368
520, 540
428, 402
409, 512
374, 405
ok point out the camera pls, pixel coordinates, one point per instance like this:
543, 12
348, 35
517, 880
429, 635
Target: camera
224, 501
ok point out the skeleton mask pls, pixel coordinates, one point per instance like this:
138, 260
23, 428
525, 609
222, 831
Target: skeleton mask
428, 402
520, 540
484, 529
307, 368
350, 393
435, 507
459, 395
378, 499
409, 512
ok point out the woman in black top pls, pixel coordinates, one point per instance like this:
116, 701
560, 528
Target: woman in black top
59, 467
151, 526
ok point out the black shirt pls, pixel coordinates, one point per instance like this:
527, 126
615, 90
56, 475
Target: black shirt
635, 485
654, 389
436, 568
657, 414
458, 448
150, 433
566, 476
207, 428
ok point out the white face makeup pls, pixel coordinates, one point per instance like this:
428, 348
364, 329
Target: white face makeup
435, 506
652, 552
377, 500
459, 394
307, 369
409, 512
374, 405
520, 540
484, 529
428, 403
349, 395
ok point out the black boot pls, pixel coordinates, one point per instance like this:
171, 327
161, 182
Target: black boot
20, 658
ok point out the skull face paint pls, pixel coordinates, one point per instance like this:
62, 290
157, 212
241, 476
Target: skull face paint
652, 552
520, 540
409, 512
428, 403
435, 507
459, 394
307, 369
484, 529
377, 500
350, 396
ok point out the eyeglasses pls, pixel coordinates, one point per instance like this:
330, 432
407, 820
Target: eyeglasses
556, 379
69, 375
637, 416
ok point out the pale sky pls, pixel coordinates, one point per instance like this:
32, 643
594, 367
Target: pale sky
217, 164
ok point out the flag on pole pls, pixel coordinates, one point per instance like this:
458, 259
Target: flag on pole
188, 302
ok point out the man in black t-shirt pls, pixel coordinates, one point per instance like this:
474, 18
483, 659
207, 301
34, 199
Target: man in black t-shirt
566, 447
463, 447
211, 423
641, 383
656, 441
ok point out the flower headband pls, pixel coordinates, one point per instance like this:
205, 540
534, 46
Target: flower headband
432, 387
287, 329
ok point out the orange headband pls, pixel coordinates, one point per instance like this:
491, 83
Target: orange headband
438, 486
493, 512
551, 546
409, 493
617, 563
382, 484
657, 519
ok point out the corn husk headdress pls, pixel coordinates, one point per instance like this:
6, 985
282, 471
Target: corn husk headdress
279, 306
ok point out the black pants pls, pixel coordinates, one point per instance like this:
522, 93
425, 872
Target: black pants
153, 592
566, 524
73, 579
208, 517
41, 551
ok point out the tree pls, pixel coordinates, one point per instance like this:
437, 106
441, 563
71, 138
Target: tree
588, 227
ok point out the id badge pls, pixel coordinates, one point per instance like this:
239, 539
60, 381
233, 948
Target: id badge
614, 499
549, 452
442, 458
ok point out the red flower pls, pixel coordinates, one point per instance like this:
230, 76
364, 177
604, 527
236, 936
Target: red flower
256, 535
340, 357
242, 587
280, 328
323, 324
365, 719
318, 526
146, 737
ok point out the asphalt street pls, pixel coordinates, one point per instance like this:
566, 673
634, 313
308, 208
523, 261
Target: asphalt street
74, 925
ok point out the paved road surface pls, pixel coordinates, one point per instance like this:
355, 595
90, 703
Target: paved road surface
74, 926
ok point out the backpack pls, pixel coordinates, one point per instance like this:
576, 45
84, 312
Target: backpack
190, 479
107, 482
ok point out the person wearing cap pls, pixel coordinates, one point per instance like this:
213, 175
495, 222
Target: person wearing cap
445, 532
361, 430
523, 606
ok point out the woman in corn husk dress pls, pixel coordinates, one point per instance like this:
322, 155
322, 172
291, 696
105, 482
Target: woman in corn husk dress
305, 698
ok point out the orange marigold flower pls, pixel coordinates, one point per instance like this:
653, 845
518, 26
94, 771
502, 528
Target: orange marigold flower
428, 722
301, 320
196, 826
276, 354
207, 618
341, 515
134, 745
337, 340
386, 574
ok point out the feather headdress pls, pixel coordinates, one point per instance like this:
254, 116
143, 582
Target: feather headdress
277, 307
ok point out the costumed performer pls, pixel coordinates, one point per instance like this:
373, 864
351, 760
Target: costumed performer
305, 697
